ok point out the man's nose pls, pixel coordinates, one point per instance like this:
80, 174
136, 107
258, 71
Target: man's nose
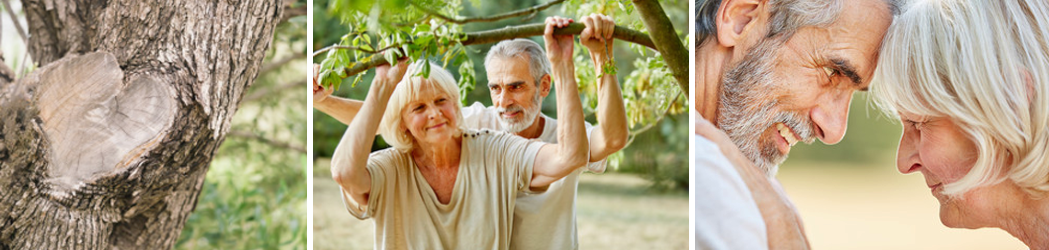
503, 99
832, 118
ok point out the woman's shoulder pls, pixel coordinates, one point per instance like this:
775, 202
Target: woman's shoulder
387, 157
487, 136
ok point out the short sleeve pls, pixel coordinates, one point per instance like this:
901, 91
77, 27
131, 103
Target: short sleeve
476, 116
597, 166
726, 215
379, 165
514, 152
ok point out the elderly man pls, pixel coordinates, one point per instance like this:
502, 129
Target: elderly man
770, 74
519, 79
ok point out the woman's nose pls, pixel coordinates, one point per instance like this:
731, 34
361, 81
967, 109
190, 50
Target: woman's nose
907, 158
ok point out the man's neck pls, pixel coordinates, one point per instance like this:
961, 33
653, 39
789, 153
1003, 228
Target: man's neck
535, 130
710, 60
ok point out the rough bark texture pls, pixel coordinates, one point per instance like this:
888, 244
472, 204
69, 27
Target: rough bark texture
106, 147
669, 45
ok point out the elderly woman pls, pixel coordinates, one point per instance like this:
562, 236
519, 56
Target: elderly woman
442, 186
970, 82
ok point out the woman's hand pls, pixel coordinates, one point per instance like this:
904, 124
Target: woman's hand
390, 76
320, 93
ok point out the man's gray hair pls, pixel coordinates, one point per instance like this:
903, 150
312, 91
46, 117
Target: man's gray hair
786, 16
538, 65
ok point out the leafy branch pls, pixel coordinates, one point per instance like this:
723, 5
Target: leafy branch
493, 36
530, 12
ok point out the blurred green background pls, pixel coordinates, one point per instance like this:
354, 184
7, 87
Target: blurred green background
851, 196
254, 194
641, 202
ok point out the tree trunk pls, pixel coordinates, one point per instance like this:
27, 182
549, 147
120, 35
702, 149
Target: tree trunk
106, 147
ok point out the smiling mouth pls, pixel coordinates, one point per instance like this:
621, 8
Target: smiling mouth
510, 114
437, 126
787, 134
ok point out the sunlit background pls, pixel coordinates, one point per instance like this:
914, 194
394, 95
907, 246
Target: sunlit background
851, 196
640, 203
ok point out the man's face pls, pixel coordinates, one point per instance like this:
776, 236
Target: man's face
514, 92
781, 93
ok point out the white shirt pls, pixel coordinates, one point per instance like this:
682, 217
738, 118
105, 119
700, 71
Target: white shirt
726, 216
546, 220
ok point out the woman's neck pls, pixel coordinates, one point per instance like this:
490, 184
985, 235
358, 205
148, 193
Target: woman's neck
1030, 223
443, 154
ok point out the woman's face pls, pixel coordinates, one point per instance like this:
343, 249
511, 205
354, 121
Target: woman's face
942, 152
431, 117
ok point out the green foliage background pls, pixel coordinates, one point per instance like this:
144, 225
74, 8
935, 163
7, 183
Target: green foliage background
655, 104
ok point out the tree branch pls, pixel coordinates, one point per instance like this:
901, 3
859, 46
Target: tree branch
529, 11
667, 42
268, 141
527, 30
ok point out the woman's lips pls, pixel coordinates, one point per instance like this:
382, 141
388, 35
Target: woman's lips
437, 126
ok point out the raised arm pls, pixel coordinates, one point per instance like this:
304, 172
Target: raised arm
611, 133
348, 164
341, 109
555, 161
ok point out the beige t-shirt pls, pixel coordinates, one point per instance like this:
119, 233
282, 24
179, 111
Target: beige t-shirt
545, 220
494, 167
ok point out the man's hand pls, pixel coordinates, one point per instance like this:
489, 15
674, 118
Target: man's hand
558, 47
320, 93
597, 36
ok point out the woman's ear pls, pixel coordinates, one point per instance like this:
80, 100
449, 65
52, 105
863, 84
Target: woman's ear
736, 18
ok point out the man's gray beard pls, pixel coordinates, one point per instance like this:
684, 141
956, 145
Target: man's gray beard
746, 108
514, 127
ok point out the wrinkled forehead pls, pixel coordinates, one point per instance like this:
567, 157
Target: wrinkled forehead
506, 70
855, 38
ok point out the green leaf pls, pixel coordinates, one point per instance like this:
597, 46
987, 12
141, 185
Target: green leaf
426, 70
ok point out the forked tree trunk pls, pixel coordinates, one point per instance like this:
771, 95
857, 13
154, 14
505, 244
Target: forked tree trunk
106, 146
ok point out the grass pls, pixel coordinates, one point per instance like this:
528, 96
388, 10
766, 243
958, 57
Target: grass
615, 211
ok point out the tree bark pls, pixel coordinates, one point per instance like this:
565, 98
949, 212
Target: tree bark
107, 146
667, 43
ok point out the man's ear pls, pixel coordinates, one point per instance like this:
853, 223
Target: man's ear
736, 18
544, 85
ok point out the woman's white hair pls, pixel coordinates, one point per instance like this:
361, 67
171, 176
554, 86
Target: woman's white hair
985, 65
392, 127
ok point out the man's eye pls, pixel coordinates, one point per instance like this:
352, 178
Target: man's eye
831, 72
